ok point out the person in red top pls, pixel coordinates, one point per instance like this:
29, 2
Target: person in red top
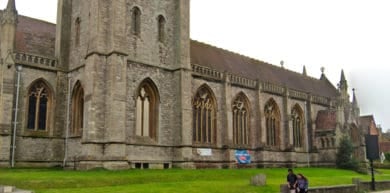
291, 181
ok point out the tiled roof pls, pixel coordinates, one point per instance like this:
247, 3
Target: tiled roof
326, 120
367, 124
222, 60
35, 36
384, 146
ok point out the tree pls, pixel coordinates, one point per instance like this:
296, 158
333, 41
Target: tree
344, 159
387, 155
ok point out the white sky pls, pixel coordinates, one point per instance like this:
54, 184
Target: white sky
353, 35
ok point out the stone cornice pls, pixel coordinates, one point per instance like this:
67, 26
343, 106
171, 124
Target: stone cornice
265, 87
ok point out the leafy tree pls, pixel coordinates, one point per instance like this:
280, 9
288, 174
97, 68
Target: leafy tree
344, 159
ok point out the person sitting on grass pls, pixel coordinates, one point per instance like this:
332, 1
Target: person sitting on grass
302, 184
291, 181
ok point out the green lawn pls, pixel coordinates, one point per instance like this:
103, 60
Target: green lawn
169, 181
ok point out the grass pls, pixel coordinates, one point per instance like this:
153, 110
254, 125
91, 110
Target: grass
174, 180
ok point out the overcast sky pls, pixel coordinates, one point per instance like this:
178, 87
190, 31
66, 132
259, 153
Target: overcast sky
353, 35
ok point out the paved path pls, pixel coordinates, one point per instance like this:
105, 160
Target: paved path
385, 191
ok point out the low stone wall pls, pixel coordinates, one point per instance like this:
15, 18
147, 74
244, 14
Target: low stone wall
357, 186
379, 185
334, 189
352, 188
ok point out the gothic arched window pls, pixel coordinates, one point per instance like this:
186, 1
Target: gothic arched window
77, 109
272, 122
136, 21
147, 110
240, 120
204, 116
77, 30
39, 103
297, 125
161, 28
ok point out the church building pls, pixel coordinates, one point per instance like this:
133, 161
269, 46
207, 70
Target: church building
119, 84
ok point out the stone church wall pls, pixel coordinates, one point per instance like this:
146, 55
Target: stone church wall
165, 82
39, 151
28, 76
146, 48
5, 142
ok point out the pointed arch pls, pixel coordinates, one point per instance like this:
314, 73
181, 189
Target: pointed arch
272, 123
241, 117
147, 109
136, 21
297, 119
204, 108
39, 103
77, 109
161, 28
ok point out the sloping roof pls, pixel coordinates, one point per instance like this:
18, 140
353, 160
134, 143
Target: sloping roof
367, 124
384, 146
35, 36
326, 120
206, 55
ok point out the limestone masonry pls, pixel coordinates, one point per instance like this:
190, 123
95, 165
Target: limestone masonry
119, 84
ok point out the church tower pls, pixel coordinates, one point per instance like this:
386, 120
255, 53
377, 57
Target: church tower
343, 109
113, 47
343, 106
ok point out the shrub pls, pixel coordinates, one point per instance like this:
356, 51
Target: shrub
344, 159
387, 155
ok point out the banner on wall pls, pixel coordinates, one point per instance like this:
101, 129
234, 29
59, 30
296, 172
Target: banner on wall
243, 157
204, 152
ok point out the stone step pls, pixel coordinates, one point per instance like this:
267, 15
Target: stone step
12, 189
6, 189
22, 191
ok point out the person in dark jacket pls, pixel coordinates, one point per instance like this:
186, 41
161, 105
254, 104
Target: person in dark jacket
302, 184
291, 181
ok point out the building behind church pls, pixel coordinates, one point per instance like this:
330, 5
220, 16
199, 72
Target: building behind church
119, 84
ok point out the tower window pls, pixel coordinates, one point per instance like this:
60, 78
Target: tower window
161, 28
147, 110
136, 21
77, 28
77, 109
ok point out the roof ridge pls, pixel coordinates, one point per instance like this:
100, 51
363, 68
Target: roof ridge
38, 20
256, 60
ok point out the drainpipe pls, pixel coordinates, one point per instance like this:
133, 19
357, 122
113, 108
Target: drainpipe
18, 70
307, 135
67, 124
